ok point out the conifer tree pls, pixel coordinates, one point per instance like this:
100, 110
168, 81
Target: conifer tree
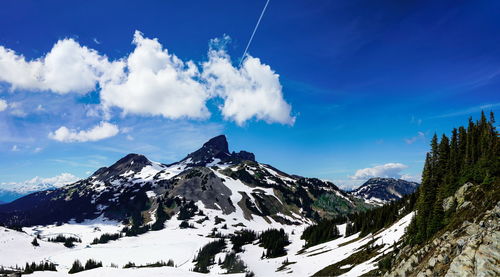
472, 155
35, 242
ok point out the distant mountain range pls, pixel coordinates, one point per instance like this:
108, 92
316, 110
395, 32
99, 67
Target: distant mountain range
12, 191
383, 190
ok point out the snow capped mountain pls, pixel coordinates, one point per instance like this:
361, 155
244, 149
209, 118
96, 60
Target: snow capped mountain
141, 211
212, 177
13, 190
382, 190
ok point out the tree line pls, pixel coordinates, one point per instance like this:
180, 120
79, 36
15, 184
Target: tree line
471, 154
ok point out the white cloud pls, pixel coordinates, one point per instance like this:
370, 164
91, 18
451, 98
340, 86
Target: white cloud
419, 136
388, 170
39, 183
252, 91
15, 148
102, 131
155, 82
413, 178
38, 150
16, 109
68, 67
151, 81
3, 105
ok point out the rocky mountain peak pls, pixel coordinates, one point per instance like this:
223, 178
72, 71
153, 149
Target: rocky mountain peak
217, 150
218, 144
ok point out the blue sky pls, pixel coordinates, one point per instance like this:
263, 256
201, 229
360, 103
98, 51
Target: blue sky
340, 90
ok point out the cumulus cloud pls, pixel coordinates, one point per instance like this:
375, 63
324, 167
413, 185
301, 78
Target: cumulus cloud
251, 91
3, 105
388, 170
419, 136
68, 67
102, 131
156, 82
413, 178
39, 183
151, 81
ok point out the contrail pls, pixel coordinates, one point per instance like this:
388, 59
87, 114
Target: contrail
253, 33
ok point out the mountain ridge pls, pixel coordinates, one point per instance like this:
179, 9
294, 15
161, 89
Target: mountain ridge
134, 184
379, 190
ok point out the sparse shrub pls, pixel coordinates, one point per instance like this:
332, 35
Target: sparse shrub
42, 266
161, 217
69, 244
274, 241
68, 241
187, 211
129, 265
206, 256
156, 264
218, 220
185, 224
105, 238
35, 242
76, 267
241, 238
91, 264
233, 264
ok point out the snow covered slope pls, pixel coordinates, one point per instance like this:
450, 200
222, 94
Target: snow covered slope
181, 246
159, 212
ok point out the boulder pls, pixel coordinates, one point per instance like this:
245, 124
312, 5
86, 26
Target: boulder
448, 203
460, 194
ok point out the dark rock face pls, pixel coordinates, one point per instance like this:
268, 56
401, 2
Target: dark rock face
218, 143
385, 189
245, 156
217, 148
201, 184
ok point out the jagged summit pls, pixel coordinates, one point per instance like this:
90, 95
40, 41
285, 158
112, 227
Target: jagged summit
216, 150
218, 143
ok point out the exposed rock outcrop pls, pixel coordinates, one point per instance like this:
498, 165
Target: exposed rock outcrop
472, 249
